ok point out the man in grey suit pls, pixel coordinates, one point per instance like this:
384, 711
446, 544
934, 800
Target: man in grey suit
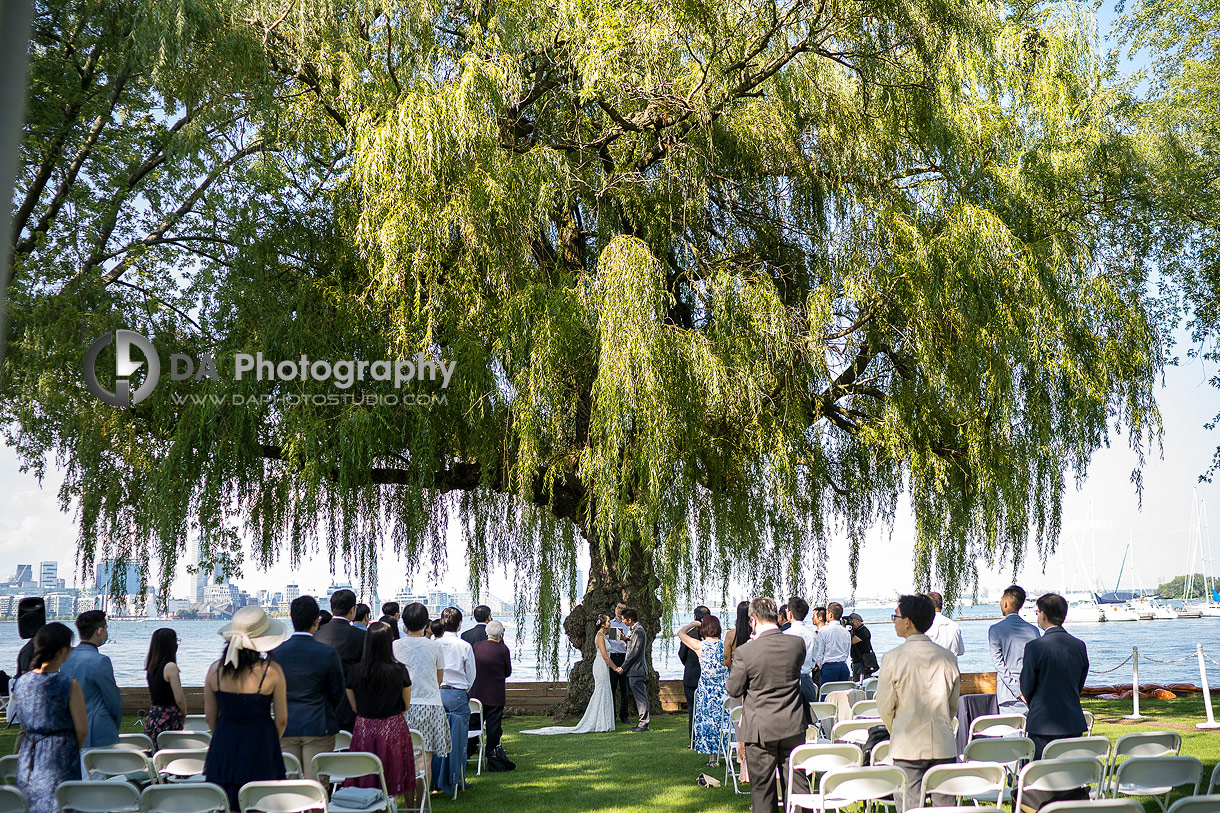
1007, 639
635, 667
766, 674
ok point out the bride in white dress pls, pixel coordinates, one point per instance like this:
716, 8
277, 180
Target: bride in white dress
599, 714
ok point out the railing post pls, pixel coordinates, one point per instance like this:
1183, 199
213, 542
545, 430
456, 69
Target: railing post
1207, 693
1135, 685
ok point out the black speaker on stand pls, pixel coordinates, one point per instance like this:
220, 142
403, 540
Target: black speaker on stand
31, 616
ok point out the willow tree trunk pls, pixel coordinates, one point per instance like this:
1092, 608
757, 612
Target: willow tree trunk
607, 586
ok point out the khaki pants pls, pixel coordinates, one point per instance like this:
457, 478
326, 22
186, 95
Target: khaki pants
306, 748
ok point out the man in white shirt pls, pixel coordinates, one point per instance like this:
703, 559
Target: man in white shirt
798, 609
835, 645
456, 680
944, 630
617, 647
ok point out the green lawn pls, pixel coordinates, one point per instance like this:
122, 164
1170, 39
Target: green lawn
642, 773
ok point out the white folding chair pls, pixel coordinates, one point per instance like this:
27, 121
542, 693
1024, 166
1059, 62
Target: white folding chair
730, 747
1091, 805
847, 786
1088, 723
97, 796
835, 686
1212, 786
1157, 777
282, 796
1143, 744
961, 809
1073, 747
476, 707
997, 725
825, 715
880, 754
343, 740
421, 773
196, 797
180, 764
196, 722
865, 709
13, 800
134, 766
292, 767
964, 780
870, 688
1196, 804
179, 740
1058, 775
8, 769
135, 742
853, 731
813, 759
337, 767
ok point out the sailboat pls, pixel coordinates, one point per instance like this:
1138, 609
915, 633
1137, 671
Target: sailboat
1201, 541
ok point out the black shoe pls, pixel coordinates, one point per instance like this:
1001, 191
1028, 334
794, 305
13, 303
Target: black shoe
502, 758
637, 730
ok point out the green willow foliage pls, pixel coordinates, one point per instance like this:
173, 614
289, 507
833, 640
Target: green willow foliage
723, 281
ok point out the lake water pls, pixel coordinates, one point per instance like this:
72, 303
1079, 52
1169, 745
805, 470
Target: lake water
1109, 644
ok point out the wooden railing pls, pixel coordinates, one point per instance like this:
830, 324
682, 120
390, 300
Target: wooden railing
537, 697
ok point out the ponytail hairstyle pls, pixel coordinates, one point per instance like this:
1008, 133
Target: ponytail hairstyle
49, 642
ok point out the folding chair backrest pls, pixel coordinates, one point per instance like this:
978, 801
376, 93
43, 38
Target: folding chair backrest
855, 731
959, 779
1212, 786
1147, 744
338, 766
734, 721
864, 708
1058, 774
183, 739
188, 797
115, 761
282, 796
97, 797
880, 754
862, 783
835, 686
1073, 747
343, 740
1088, 723
8, 769
13, 801
820, 710
1091, 805
179, 761
1006, 750
1166, 772
476, 706
821, 757
135, 742
996, 725
870, 687
196, 722
292, 767
1195, 804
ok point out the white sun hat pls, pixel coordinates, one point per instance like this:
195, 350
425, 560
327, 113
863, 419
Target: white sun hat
252, 628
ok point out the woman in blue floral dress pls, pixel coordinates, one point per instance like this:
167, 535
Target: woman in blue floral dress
710, 714
53, 721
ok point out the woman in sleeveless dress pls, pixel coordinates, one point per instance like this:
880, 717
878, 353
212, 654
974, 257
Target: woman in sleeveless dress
710, 713
238, 694
53, 720
167, 701
737, 636
599, 714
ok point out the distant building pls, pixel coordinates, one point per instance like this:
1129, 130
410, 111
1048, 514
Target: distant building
292, 592
109, 578
277, 600
221, 595
61, 605
48, 575
24, 575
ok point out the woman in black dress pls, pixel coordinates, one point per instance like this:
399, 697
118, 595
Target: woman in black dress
167, 710
238, 694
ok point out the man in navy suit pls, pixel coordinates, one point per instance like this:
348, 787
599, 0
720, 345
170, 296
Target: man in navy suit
95, 673
482, 614
314, 678
1052, 674
347, 640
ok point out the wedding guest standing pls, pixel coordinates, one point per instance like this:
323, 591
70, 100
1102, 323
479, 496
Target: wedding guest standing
51, 706
738, 635
1007, 639
363, 617
379, 689
313, 679
708, 711
482, 615
167, 701
944, 630
1053, 673
690, 670
492, 667
238, 694
347, 640
423, 659
457, 678
798, 611
95, 674
766, 674
390, 615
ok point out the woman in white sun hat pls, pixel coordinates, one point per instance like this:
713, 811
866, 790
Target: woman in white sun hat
238, 694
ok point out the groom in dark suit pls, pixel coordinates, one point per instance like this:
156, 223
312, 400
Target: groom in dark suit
766, 674
635, 667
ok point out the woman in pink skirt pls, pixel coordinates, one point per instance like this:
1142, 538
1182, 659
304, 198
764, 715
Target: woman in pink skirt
379, 689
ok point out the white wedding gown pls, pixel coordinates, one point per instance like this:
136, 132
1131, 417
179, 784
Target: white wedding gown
599, 714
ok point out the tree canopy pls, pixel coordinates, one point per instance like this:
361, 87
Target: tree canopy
722, 282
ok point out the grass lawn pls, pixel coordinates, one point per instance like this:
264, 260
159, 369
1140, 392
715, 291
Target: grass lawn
641, 773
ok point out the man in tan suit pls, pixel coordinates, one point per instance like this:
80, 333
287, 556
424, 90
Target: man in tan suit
917, 693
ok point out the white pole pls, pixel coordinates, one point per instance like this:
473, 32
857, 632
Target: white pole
1207, 694
1135, 685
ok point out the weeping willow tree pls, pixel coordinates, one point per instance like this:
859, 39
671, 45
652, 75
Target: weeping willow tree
721, 281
